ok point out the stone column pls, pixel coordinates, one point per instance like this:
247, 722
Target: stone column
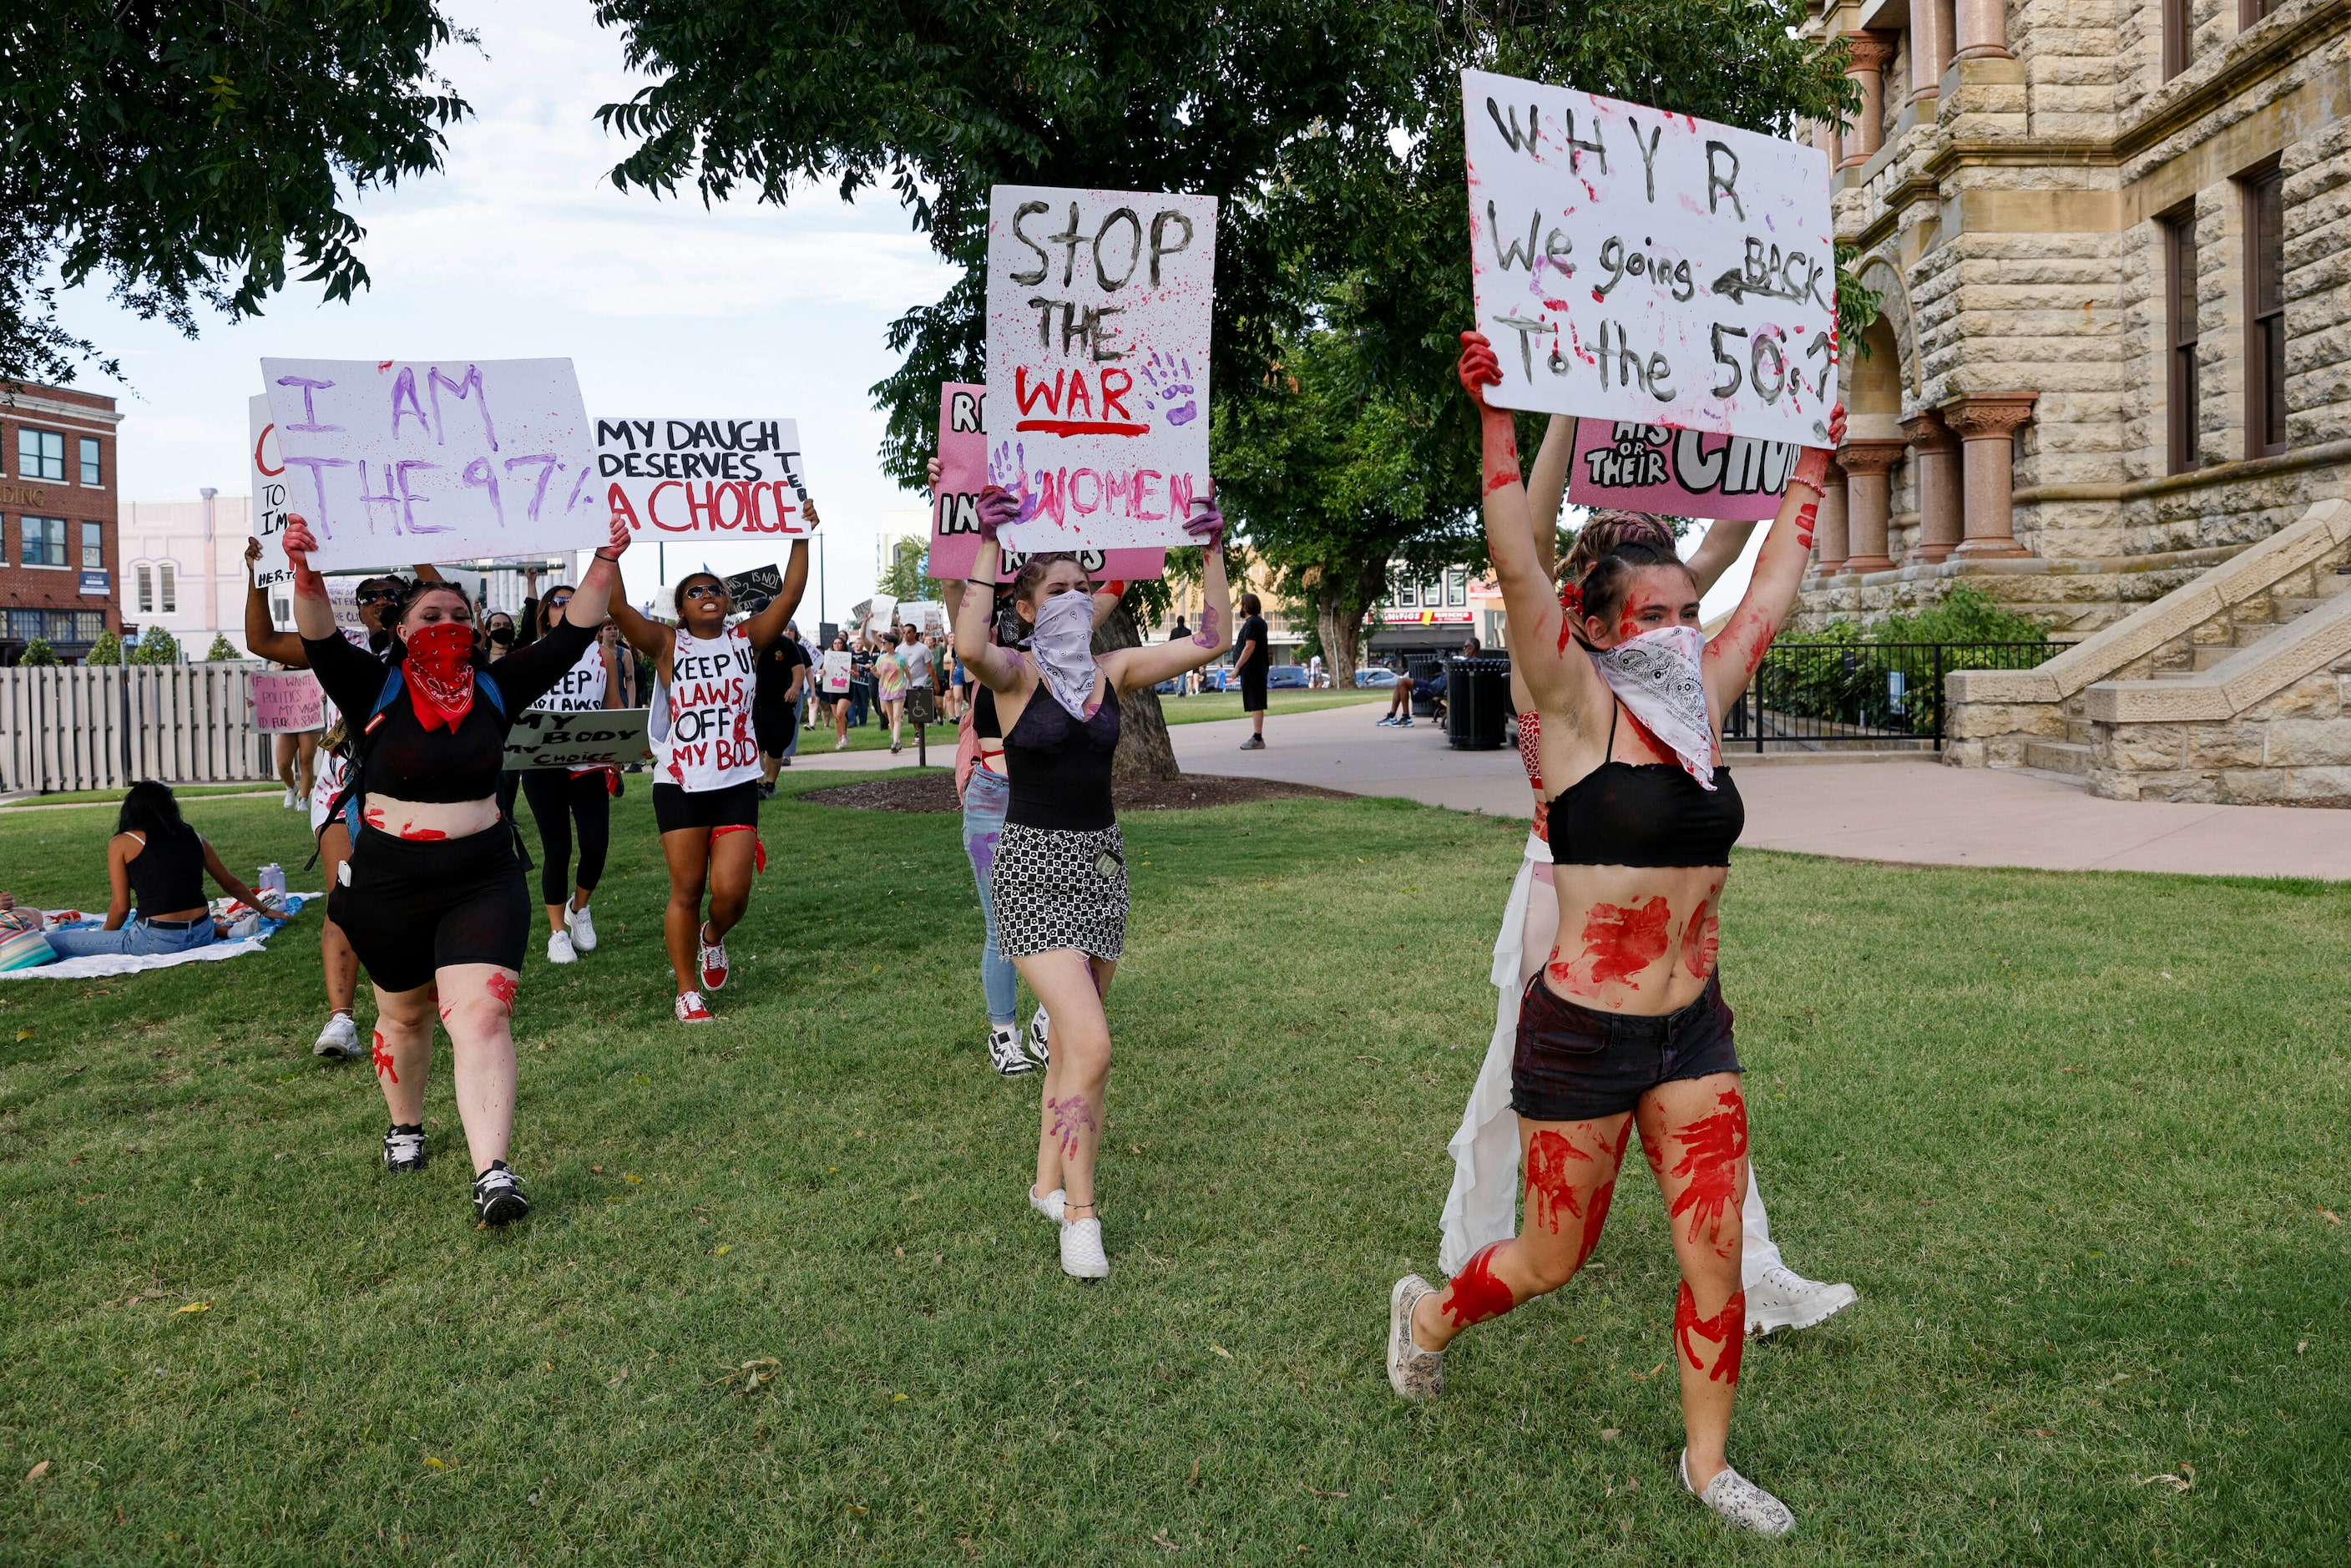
1986, 422
1866, 61
1867, 464
1828, 525
1938, 452
1984, 30
1931, 51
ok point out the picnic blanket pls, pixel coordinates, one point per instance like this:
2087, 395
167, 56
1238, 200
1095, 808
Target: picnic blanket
126, 964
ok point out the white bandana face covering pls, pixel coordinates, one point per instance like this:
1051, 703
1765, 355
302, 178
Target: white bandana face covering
1656, 677
1064, 646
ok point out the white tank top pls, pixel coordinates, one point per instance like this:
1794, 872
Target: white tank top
581, 689
327, 784
701, 716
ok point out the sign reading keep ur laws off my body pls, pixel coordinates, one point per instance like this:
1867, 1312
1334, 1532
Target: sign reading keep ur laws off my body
1639, 265
1098, 328
717, 478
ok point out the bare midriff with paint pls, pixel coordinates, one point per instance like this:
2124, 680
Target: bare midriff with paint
430, 821
1635, 939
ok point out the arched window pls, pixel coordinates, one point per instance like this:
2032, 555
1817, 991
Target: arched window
170, 585
146, 576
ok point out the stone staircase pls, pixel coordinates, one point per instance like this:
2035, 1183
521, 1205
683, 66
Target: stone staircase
2231, 687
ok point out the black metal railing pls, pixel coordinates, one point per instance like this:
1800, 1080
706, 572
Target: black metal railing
1826, 697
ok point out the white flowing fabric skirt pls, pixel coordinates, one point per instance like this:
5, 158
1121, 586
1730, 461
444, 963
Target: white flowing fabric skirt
1483, 1205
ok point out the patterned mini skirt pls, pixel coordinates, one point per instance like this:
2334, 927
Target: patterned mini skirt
1057, 888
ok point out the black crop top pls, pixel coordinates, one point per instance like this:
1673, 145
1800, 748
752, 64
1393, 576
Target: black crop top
984, 722
1644, 814
409, 762
168, 875
1059, 767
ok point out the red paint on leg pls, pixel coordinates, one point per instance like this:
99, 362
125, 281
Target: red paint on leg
1619, 942
503, 986
1475, 1293
1550, 1177
1711, 1150
446, 1008
383, 1068
1701, 941
1725, 1331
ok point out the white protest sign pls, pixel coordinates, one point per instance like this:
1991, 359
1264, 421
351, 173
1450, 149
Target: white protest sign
592, 737
1638, 265
266, 474
396, 461
1098, 317
720, 478
838, 669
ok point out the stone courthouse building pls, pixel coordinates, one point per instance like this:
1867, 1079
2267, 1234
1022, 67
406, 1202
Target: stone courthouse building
2111, 382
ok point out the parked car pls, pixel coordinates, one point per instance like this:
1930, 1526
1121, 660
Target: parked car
1375, 676
1286, 677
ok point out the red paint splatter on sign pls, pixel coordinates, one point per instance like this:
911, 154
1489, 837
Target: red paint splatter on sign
1727, 1330
1476, 1294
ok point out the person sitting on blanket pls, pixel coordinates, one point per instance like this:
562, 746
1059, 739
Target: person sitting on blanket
163, 862
26, 919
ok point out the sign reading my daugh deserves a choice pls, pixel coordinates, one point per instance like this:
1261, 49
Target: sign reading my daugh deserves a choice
1631, 265
1098, 328
719, 479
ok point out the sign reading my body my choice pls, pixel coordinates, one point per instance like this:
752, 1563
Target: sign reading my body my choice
1638, 265
715, 477
395, 460
1098, 330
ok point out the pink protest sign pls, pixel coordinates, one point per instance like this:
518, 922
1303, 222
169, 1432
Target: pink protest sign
1677, 473
954, 510
288, 704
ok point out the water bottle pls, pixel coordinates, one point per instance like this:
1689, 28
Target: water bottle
272, 879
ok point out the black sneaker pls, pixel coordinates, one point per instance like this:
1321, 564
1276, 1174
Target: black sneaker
767, 791
404, 1148
498, 1196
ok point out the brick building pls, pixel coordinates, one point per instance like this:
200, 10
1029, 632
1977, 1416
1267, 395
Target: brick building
2107, 234
58, 553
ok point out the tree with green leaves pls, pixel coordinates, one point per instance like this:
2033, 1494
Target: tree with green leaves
39, 655
156, 647
185, 149
904, 578
107, 650
221, 650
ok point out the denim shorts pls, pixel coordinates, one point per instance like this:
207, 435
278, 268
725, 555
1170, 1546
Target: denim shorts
1575, 1063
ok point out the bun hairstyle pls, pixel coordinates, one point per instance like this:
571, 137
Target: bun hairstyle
1607, 530
1611, 577
1033, 575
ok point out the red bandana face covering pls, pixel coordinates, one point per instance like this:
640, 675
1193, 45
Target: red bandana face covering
440, 674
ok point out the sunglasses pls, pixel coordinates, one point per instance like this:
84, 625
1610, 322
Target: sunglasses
558, 600
705, 593
376, 595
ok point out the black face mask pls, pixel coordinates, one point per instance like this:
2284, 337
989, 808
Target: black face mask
502, 634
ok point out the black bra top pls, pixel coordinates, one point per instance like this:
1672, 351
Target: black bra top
1059, 767
984, 722
1644, 814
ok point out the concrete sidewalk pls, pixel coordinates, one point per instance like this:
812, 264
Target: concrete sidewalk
1916, 811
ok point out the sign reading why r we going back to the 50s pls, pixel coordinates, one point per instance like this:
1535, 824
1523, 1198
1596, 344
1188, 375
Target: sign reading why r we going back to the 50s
1638, 265
1098, 312
394, 461
715, 477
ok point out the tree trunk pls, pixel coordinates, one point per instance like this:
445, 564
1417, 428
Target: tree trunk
1144, 754
1341, 631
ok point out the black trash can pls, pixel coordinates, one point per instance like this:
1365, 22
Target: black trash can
1476, 703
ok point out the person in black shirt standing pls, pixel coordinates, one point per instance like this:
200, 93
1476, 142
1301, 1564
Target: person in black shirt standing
433, 897
1251, 660
780, 678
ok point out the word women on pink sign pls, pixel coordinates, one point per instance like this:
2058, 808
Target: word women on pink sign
954, 510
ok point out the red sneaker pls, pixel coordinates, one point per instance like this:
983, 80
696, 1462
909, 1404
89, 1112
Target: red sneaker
690, 1008
713, 964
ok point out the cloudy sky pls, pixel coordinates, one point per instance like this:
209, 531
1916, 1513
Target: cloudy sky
522, 248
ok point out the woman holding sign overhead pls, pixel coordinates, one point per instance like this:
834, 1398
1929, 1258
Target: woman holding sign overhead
433, 897
1058, 880
707, 770
562, 797
1625, 1028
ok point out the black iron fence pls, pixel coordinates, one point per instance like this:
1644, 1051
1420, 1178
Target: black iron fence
1824, 697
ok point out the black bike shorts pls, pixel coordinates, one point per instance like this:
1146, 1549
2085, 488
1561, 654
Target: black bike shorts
410, 908
737, 806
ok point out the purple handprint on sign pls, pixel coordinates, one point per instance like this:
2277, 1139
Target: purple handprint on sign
1169, 389
1008, 465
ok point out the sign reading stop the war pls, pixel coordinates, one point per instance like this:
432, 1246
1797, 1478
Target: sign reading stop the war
1644, 267
954, 509
1098, 331
719, 479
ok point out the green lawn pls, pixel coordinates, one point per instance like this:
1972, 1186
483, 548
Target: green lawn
2078, 1139
114, 797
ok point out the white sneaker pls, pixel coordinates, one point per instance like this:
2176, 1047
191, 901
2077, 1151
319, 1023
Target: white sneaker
340, 1038
1053, 1205
289, 802
559, 949
582, 926
1784, 1299
1082, 1257
1415, 1374
1004, 1053
1039, 1048
841, 745
1740, 1503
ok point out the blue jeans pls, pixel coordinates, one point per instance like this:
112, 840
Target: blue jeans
799, 718
984, 797
135, 939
